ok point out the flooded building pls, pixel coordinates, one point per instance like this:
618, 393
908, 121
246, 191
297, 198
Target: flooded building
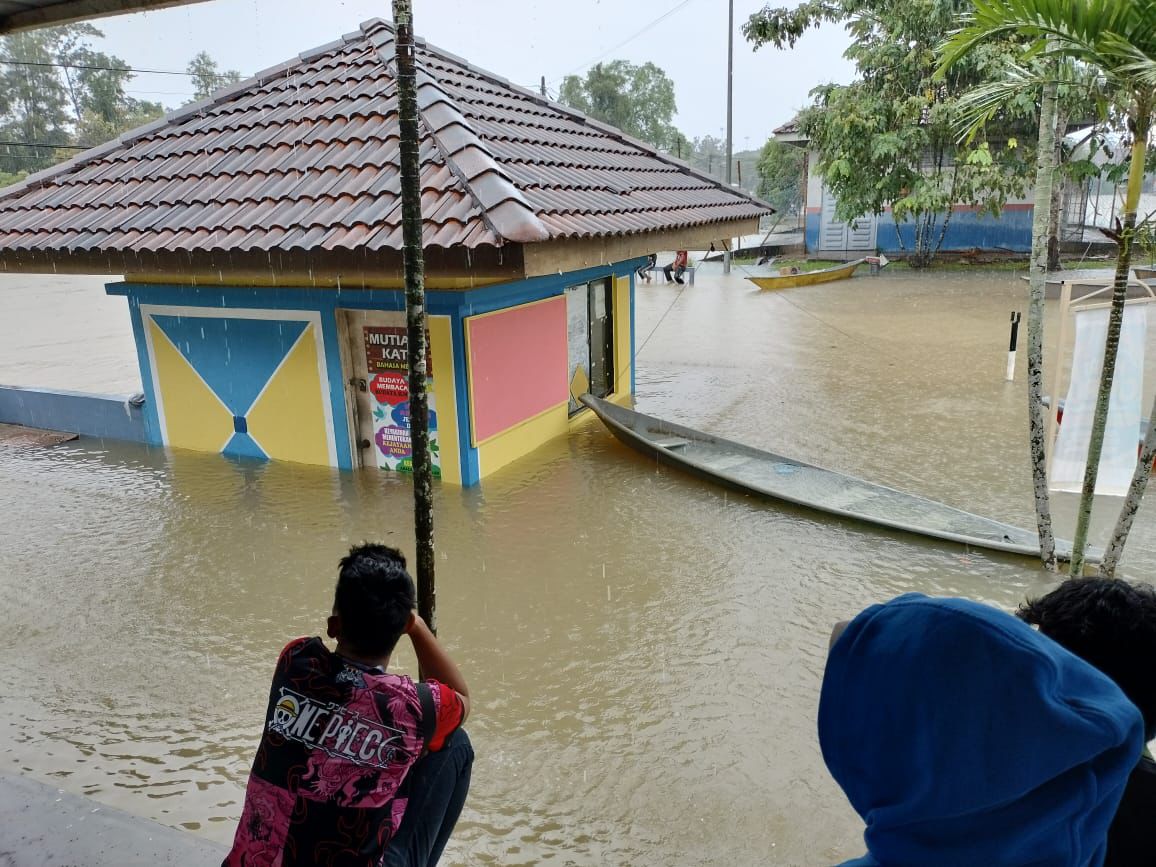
259, 233
826, 236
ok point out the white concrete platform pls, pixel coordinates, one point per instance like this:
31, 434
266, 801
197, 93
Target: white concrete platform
42, 826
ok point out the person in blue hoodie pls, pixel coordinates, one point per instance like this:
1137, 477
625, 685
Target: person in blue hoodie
964, 738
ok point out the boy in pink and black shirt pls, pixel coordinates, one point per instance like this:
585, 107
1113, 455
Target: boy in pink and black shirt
357, 766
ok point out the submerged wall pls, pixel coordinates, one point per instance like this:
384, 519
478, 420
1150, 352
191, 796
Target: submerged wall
1010, 232
108, 416
278, 373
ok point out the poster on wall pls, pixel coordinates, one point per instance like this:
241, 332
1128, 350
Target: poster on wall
387, 361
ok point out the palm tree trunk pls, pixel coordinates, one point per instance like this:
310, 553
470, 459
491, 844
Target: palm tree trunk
1140, 123
1131, 503
1037, 429
415, 311
1054, 226
1148, 453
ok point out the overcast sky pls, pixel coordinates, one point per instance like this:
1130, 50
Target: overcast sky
518, 39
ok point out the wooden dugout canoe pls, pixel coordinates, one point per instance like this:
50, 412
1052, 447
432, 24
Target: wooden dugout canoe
808, 278
774, 477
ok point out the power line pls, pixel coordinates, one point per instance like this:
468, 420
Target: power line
630, 38
32, 144
131, 69
186, 93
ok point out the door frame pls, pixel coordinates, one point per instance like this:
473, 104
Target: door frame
352, 414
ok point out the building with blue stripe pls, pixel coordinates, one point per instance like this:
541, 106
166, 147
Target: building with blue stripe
259, 235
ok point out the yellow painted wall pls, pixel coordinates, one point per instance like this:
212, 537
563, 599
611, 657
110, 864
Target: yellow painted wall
194, 417
269, 401
521, 439
445, 396
623, 360
288, 420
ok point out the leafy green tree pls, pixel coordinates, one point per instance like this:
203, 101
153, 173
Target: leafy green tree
100, 85
781, 180
1118, 39
887, 139
208, 77
639, 100
679, 146
104, 109
56, 90
8, 179
33, 99
94, 128
710, 156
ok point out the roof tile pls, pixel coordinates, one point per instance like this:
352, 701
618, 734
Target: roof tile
306, 156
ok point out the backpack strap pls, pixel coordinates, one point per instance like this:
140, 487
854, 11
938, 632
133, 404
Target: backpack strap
429, 719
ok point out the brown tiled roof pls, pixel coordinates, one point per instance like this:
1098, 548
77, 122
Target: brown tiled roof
305, 156
789, 128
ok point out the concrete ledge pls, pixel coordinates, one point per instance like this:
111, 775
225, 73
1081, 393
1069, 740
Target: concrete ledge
41, 826
111, 416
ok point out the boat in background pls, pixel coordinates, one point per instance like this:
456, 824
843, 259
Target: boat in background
808, 278
774, 477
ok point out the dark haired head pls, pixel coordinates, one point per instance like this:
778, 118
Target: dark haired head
1109, 623
374, 598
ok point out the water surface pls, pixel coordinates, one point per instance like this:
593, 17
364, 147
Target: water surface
644, 650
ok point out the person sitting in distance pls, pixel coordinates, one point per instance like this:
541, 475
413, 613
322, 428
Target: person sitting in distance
678, 266
964, 738
1112, 624
647, 270
357, 766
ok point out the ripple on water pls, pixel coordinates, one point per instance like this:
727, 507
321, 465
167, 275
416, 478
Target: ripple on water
645, 651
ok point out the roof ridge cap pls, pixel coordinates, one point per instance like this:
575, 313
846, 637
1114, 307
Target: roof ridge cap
522, 226
537, 98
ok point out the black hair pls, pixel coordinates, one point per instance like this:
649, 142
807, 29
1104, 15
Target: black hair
1110, 623
374, 598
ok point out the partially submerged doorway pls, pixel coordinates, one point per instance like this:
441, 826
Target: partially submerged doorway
590, 340
377, 390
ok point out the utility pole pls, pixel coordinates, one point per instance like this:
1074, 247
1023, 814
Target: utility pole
542, 86
414, 264
730, 111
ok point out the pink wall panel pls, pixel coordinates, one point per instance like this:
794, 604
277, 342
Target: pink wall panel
517, 364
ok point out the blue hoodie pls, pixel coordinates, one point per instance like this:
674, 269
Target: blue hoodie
964, 737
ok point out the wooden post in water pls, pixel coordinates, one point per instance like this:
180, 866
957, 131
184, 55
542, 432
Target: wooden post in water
1058, 373
415, 311
1010, 374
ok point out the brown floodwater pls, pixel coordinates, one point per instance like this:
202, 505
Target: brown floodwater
644, 650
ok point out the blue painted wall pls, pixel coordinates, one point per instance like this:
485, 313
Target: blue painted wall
1010, 232
109, 416
455, 304
810, 233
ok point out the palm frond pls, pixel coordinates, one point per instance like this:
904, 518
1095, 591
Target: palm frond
1132, 61
1116, 37
976, 108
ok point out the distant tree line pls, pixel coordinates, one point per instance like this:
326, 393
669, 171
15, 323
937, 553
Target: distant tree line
640, 101
59, 93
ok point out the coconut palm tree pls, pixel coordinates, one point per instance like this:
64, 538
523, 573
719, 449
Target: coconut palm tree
978, 108
1117, 38
414, 264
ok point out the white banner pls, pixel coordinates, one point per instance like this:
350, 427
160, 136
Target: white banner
1121, 436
